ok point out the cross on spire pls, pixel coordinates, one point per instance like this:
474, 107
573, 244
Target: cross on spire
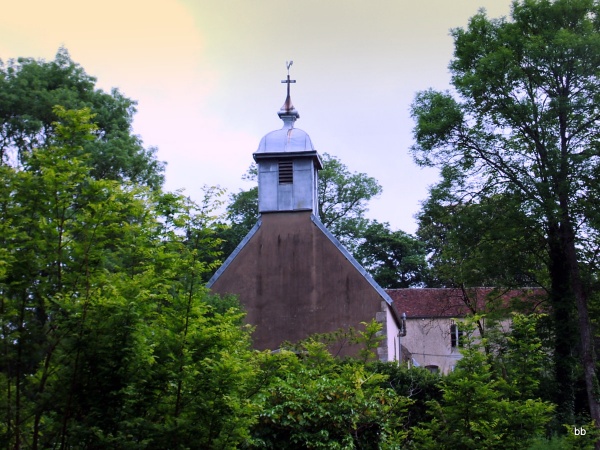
288, 64
288, 110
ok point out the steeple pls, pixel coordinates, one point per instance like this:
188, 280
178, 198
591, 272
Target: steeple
288, 111
287, 164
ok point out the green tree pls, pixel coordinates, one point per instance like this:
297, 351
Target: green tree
242, 214
526, 124
488, 242
30, 89
315, 401
108, 336
395, 259
66, 228
343, 197
477, 410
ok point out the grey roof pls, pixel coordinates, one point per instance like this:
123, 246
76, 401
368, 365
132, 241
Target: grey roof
286, 140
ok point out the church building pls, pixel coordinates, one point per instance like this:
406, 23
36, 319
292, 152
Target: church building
292, 276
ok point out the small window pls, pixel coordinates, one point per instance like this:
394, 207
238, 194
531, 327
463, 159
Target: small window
433, 369
455, 336
286, 172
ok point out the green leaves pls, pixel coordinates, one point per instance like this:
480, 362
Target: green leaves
438, 119
477, 411
521, 137
29, 92
108, 335
319, 402
395, 259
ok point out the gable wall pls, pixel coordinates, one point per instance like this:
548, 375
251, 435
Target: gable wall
294, 282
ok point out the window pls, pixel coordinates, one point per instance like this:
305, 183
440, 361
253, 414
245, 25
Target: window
433, 369
455, 336
286, 172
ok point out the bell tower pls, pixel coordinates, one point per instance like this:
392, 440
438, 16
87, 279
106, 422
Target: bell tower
287, 165
292, 276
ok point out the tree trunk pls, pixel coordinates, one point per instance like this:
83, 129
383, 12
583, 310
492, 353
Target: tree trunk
565, 328
588, 355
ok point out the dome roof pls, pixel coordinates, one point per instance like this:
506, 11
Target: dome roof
287, 139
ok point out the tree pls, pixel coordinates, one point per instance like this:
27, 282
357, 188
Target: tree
488, 242
315, 401
242, 214
343, 198
527, 124
477, 410
108, 337
395, 259
30, 89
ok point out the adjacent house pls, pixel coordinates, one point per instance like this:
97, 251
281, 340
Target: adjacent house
434, 319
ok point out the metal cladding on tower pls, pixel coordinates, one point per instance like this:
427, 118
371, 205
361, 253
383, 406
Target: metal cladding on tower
287, 165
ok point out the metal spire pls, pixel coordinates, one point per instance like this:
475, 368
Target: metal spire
288, 108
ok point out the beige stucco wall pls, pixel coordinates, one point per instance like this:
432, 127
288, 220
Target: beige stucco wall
393, 353
428, 340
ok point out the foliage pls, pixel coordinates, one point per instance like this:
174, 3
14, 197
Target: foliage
488, 242
30, 89
315, 401
568, 441
523, 131
242, 215
395, 259
365, 342
343, 197
417, 384
520, 356
477, 411
108, 338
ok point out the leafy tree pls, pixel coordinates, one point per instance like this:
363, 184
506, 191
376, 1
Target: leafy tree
30, 89
242, 215
525, 126
315, 401
490, 242
343, 198
395, 259
65, 227
417, 384
477, 410
108, 337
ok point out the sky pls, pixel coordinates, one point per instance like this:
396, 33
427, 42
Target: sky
207, 77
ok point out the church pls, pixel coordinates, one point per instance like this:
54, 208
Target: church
292, 276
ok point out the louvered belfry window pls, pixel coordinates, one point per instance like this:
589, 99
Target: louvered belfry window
286, 172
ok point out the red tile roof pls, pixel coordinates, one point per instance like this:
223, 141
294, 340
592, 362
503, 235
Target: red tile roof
447, 302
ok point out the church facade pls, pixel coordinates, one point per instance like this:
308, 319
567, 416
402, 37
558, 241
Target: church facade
292, 276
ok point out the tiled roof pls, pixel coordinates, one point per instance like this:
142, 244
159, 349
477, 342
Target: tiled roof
446, 302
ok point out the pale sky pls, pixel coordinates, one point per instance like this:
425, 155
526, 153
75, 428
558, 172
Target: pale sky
206, 75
